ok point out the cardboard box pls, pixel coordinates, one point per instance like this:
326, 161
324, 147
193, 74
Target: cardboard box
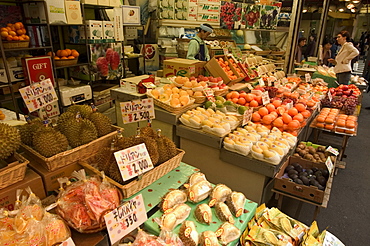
215, 70
15, 74
118, 30
131, 15
108, 31
210, 1
115, 3
34, 12
31, 179
103, 2
209, 8
311, 193
73, 12
90, 1
94, 31
213, 18
56, 11
50, 179
182, 67
192, 12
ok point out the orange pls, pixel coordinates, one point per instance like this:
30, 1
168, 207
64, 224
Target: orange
329, 127
20, 24
9, 25
320, 125
12, 33
298, 117
253, 103
228, 95
17, 26
258, 99
20, 38
349, 131
341, 123
329, 120
3, 29
256, 117
235, 100
276, 103
75, 53
56, 58
268, 126
9, 38
351, 117
250, 97
306, 113
58, 52
26, 37
300, 107
71, 57
270, 107
350, 124
63, 53
63, 58
50, 53
15, 38
4, 34
20, 32
263, 111
287, 118
292, 111
274, 114
267, 119
241, 101
278, 122
68, 51
320, 119
280, 110
294, 125
234, 94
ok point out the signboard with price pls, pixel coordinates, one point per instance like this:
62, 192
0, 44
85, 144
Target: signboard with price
38, 95
133, 161
137, 110
125, 218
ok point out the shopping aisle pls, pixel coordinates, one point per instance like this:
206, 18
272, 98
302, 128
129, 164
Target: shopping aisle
347, 215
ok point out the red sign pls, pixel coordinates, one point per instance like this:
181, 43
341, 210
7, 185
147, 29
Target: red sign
37, 69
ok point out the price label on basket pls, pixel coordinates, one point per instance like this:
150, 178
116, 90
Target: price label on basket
261, 82
209, 94
133, 161
68, 242
332, 150
247, 116
265, 97
307, 77
38, 95
329, 164
137, 110
124, 219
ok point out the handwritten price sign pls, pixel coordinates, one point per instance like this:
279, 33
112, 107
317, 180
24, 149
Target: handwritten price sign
38, 95
124, 219
137, 110
133, 161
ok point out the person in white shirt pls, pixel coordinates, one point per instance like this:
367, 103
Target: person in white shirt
343, 59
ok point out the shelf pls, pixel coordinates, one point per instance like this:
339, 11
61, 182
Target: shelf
20, 1
278, 29
8, 97
31, 48
64, 24
35, 24
75, 65
92, 6
185, 24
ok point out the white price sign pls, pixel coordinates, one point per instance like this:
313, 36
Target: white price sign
133, 161
247, 116
289, 105
331, 240
137, 110
330, 96
332, 150
329, 164
209, 94
307, 77
265, 97
124, 219
38, 95
261, 82
68, 242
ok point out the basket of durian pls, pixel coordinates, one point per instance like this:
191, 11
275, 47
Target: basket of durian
79, 134
162, 151
12, 165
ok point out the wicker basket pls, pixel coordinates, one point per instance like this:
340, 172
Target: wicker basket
65, 62
222, 92
16, 44
200, 99
73, 155
14, 172
148, 178
175, 110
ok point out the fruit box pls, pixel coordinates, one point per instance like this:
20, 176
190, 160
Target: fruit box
311, 193
182, 67
214, 68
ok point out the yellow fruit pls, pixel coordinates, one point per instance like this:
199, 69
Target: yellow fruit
12, 33
175, 102
56, 58
71, 57
175, 95
16, 38
184, 100
2, 116
4, 34
20, 32
155, 93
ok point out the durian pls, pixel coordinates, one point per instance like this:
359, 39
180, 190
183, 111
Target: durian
63, 119
49, 142
105, 158
79, 131
103, 123
10, 139
85, 110
166, 147
148, 131
28, 130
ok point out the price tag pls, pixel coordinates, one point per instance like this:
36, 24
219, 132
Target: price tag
38, 95
331, 240
289, 105
257, 92
265, 98
226, 51
329, 164
149, 85
307, 77
247, 116
249, 86
284, 81
330, 96
124, 219
68, 242
269, 81
332, 150
209, 94
133, 161
137, 110
261, 82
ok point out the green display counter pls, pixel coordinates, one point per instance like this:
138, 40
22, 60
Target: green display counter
332, 82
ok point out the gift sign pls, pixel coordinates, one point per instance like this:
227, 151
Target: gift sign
137, 110
209, 94
124, 219
38, 69
68, 242
38, 95
265, 97
307, 77
329, 164
332, 150
247, 116
133, 161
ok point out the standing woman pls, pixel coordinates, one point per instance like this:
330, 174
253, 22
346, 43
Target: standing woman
343, 59
197, 48
298, 51
325, 52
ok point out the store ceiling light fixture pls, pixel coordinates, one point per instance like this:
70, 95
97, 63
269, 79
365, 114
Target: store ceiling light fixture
350, 6
304, 11
353, 10
355, 1
341, 9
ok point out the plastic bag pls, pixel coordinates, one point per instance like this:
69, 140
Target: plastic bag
170, 239
144, 239
55, 228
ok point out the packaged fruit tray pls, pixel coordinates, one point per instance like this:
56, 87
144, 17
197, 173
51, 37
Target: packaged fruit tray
320, 150
335, 128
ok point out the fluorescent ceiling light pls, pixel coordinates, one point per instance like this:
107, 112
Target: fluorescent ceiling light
304, 11
350, 6
355, 1
341, 9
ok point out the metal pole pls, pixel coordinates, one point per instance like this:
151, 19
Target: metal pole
293, 34
323, 20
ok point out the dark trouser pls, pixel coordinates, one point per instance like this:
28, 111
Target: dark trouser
344, 78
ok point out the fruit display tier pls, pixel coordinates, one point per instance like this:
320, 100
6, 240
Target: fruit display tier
241, 222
